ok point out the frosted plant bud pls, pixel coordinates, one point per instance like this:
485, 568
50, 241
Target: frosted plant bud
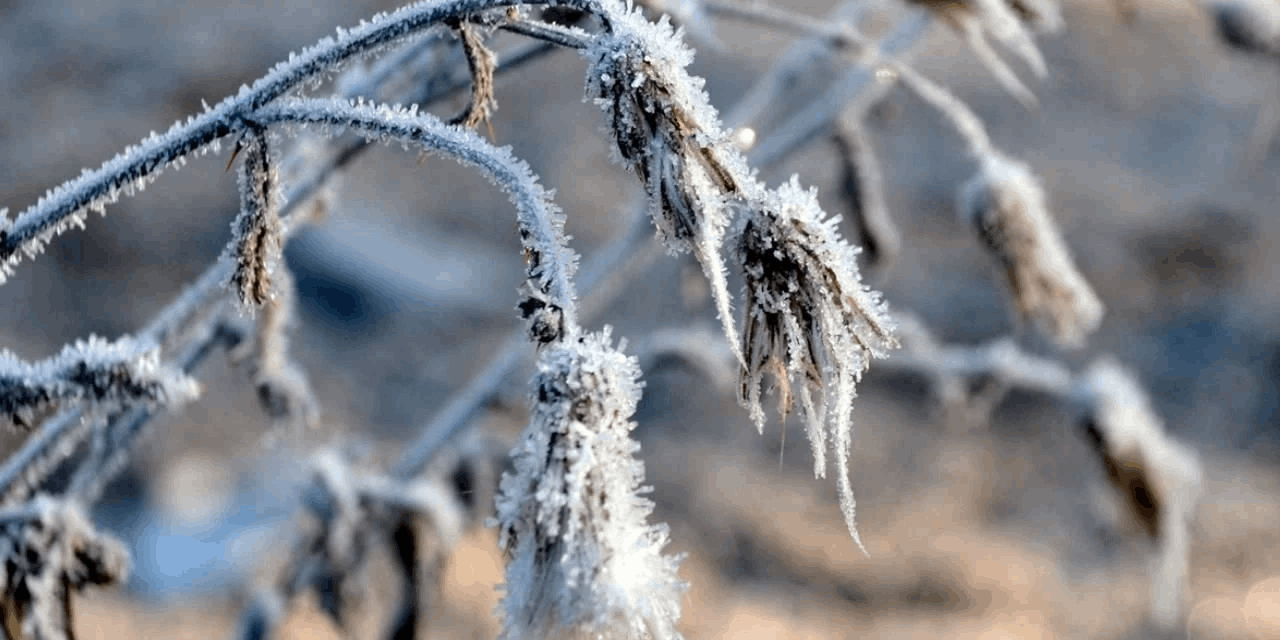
663, 129
808, 315
1006, 205
258, 235
582, 560
1158, 479
45, 559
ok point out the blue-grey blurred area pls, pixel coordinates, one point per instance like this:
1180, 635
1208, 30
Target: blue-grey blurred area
408, 284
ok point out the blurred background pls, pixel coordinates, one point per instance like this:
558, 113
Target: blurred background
976, 529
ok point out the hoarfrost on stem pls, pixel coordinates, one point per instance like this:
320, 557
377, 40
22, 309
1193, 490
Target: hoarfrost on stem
93, 370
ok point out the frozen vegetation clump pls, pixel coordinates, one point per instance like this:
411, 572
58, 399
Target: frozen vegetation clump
585, 553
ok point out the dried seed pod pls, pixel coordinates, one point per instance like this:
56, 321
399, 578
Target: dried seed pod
481, 61
258, 233
1159, 480
808, 315
1006, 205
666, 131
584, 562
44, 560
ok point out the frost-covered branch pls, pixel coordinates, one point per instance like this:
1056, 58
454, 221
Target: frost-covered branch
95, 371
67, 205
551, 303
120, 432
1000, 359
59, 436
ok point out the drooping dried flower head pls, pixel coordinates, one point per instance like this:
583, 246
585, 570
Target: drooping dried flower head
44, 559
583, 561
808, 315
1006, 205
352, 510
1158, 480
666, 131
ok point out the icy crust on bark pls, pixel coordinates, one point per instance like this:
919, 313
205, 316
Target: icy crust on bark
583, 560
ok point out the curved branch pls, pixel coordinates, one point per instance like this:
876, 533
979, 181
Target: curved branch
67, 205
59, 436
551, 264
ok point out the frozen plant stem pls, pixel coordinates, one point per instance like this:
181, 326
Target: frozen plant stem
66, 206
58, 436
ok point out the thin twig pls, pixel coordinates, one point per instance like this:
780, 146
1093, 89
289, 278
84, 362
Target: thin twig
811, 121
60, 435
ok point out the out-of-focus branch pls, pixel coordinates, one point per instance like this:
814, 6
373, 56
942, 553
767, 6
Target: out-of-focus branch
1157, 479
